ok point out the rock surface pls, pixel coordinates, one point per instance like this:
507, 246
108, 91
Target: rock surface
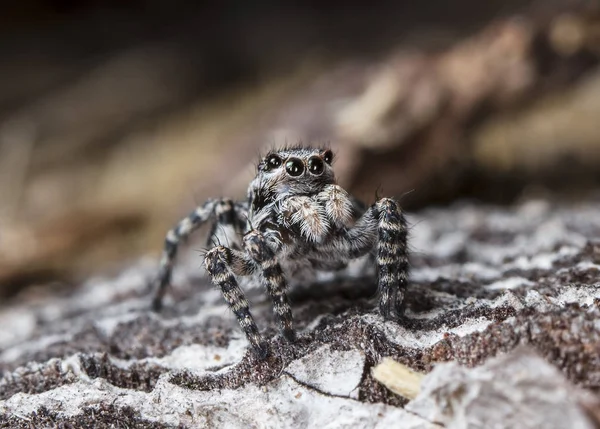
519, 390
485, 280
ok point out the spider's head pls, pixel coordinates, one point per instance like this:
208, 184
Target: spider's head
298, 170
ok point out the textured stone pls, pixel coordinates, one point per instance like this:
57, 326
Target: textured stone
516, 390
485, 280
335, 372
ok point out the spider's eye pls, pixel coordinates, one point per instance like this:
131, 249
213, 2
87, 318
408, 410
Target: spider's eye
294, 167
315, 165
328, 156
273, 161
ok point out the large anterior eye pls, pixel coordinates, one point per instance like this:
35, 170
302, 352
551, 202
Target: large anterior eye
273, 161
328, 156
315, 165
294, 167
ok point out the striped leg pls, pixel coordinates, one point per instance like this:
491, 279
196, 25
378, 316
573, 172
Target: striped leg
392, 258
273, 280
221, 264
174, 237
383, 225
230, 224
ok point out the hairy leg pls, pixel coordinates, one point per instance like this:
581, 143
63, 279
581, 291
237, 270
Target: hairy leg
273, 280
222, 263
231, 218
174, 237
382, 226
392, 258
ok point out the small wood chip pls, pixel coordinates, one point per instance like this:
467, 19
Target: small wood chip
399, 378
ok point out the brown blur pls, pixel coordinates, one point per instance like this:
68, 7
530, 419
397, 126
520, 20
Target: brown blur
117, 117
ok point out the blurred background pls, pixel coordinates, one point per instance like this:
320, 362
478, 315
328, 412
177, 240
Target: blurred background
117, 117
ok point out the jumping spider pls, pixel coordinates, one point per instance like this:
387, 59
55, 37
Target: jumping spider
295, 219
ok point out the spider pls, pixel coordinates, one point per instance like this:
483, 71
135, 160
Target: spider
296, 219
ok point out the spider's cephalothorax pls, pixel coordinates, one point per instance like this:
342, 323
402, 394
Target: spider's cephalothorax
296, 218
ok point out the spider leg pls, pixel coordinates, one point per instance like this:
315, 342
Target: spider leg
222, 263
230, 222
383, 226
273, 279
392, 257
174, 237
230, 215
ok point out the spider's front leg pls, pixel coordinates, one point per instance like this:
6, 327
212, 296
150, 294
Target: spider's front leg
222, 264
257, 246
382, 225
392, 257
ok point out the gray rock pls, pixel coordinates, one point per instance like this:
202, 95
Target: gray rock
485, 280
518, 390
336, 373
